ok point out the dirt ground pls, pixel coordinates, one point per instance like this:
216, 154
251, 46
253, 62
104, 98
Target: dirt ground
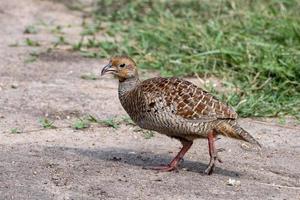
102, 162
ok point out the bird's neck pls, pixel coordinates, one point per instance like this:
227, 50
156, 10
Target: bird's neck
127, 85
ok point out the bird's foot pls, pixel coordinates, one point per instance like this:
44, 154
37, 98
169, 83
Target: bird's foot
163, 168
213, 153
176, 161
211, 166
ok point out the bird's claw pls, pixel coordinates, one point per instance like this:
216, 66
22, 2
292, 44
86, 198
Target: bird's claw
211, 166
163, 168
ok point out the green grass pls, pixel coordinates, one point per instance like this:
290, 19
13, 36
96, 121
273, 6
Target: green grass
32, 43
148, 134
46, 123
89, 76
31, 30
86, 121
111, 122
252, 46
15, 131
80, 124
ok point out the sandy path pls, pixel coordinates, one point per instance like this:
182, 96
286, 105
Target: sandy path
101, 162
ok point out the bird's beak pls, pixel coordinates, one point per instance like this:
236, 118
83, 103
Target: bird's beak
108, 68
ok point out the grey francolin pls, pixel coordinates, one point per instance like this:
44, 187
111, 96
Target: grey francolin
176, 108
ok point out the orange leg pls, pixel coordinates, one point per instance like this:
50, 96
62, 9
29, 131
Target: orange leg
174, 163
213, 153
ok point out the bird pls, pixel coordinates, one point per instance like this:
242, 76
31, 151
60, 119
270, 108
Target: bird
176, 108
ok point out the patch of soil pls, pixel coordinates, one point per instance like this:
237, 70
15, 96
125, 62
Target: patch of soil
106, 163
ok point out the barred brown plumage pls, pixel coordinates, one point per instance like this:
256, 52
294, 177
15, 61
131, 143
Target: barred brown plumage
176, 108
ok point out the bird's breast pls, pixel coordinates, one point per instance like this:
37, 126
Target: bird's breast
134, 106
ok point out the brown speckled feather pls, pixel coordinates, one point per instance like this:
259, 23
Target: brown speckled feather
188, 101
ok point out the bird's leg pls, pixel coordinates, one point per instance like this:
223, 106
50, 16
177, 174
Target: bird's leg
213, 153
174, 163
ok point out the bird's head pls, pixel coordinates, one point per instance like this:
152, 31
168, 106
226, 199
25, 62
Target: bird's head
122, 67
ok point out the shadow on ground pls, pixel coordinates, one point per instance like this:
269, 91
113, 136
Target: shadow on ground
140, 159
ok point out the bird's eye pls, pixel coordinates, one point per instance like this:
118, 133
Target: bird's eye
122, 65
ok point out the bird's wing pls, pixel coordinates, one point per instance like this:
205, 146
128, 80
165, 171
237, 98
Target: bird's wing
185, 99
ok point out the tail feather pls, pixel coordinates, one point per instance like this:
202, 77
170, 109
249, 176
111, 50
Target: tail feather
233, 130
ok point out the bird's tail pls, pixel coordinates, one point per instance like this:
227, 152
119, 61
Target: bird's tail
233, 130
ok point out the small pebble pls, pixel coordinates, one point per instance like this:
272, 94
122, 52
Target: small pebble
14, 86
233, 182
